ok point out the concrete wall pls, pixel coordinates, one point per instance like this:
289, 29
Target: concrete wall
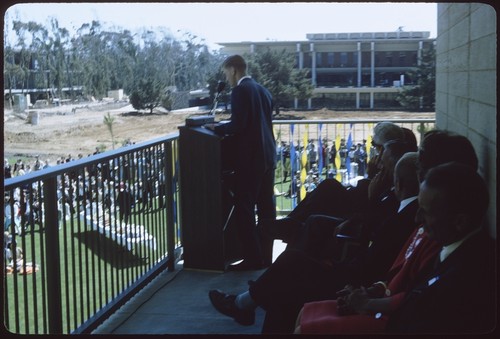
466, 79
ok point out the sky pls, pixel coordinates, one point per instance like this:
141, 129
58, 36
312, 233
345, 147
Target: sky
236, 22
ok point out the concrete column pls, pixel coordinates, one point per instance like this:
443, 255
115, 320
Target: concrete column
372, 66
420, 49
301, 66
313, 64
301, 56
359, 66
371, 99
357, 100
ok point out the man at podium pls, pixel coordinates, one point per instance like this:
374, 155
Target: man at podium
254, 161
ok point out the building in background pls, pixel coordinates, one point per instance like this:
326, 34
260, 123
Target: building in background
351, 70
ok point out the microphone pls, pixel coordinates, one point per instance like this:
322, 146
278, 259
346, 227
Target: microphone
220, 87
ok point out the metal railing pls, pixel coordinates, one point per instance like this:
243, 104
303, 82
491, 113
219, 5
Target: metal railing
84, 236
305, 156
78, 246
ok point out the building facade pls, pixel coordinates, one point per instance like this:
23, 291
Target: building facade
351, 70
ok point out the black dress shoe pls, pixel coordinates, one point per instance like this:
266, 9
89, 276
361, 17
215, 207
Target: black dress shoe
245, 266
224, 303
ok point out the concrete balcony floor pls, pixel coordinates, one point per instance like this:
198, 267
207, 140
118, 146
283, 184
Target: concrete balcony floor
177, 303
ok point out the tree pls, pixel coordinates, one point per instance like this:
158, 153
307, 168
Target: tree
147, 95
149, 62
108, 121
421, 96
277, 72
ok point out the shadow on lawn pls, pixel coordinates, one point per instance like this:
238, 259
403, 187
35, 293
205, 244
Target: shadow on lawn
109, 251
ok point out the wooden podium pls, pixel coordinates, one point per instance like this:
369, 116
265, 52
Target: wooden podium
209, 241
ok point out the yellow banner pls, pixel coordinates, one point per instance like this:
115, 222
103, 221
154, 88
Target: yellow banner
337, 158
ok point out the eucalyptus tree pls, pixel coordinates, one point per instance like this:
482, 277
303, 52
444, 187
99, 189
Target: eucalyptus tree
15, 66
90, 45
193, 59
57, 50
30, 48
123, 51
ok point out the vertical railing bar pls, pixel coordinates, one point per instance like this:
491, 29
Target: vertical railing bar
130, 218
170, 206
14, 264
65, 251
161, 205
137, 215
33, 258
115, 229
82, 213
6, 299
7, 285
139, 196
74, 208
156, 210
22, 203
124, 268
141, 222
146, 217
87, 241
153, 228
161, 228
94, 243
42, 221
177, 203
110, 203
53, 257
104, 202
94, 182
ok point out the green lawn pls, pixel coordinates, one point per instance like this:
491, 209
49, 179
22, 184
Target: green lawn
94, 269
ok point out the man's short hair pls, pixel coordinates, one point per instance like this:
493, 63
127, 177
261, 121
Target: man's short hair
463, 189
441, 146
236, 61
406, 170
386, 131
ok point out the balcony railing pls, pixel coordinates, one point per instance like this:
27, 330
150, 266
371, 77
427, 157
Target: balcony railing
87, 234
81, 238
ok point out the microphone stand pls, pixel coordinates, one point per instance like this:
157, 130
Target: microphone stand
216, 102
220, 88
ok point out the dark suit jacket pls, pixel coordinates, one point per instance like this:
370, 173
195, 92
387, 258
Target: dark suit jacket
389, 237
251, 127
459, 296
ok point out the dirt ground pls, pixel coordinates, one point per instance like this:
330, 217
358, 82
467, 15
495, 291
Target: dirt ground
74, 129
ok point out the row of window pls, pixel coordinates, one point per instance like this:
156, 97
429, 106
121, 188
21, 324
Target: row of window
350, 59
348, 100
383, 79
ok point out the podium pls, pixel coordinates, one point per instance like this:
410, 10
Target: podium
209, 241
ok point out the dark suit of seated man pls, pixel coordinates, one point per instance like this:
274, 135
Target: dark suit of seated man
296, 277
459, 296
